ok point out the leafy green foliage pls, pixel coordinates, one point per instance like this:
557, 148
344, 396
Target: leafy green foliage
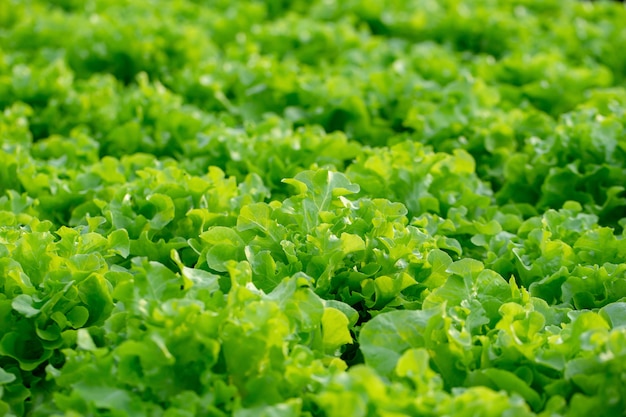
312, 208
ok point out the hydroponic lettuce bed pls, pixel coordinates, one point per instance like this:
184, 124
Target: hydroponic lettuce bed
312, 208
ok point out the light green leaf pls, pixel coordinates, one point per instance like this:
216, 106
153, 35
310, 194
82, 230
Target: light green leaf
335, 331
387, 336
24, 305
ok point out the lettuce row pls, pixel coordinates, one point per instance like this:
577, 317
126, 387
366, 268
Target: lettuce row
85, 314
